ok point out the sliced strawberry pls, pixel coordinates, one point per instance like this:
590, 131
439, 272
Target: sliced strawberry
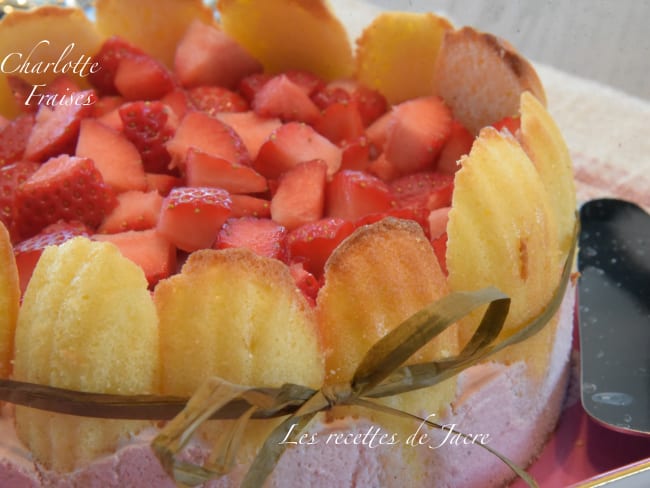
162, 183
108, 60
14, 137
330, 95
207, 55
458, 144
253, 129
203, 169
192, 217
355, 154
216, 99
135, 210
313, 243
417, 131
149, 125
512, 124
309, 82
423, 192
179, 102
11, 177
209, 135
353, 194
141, 77
300, 196
439, 245
305, 281
28, 251
248, 206
294, 143
56, 129
113, 120
63, 188
262, 236
371, 103
116, 158
378, 130
146, 248
382, 168
251, 84
282, 98
339, 122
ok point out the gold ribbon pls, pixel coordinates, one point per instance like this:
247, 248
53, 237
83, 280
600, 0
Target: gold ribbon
380, 374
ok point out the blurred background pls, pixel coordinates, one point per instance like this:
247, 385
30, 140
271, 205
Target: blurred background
603, 40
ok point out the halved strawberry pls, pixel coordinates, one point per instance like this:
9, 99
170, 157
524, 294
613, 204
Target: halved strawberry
280, 97
340, 121
141, 77
149, 125
262, 236
14, 137
253, 129
313, 243
63, 188
300, 196
116, 158
108, 59
458, 144
28, 251
146, 248
135, 210
294, 143
423, 192
192, 217
208, 135
248, 206
305, 281
202, 169
56, 129
207, 55
11, 177
416, 132
353, 194
216, 99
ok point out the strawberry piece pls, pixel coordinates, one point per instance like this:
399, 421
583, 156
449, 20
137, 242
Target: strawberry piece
108, 59
61, 85
116, 158
56, 129
149, 125
216, 99
107, 104
179, 102
28, 251
208, 56
458, 144
305, 281
378, 130
340, 121
438, 220
209, 135
146, 248
417, 131
423, 192
248, 206
312, 244
280, 97
353, 194
162, 183
371, 104
141, 77
439, 245
14, 137
294, 143
135, 210
11, 177
63, 188
512, 124
253, 129
309, 82
355, 154
192, 217
262, 236
329, 95
251, 84
300, 196
203, 169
